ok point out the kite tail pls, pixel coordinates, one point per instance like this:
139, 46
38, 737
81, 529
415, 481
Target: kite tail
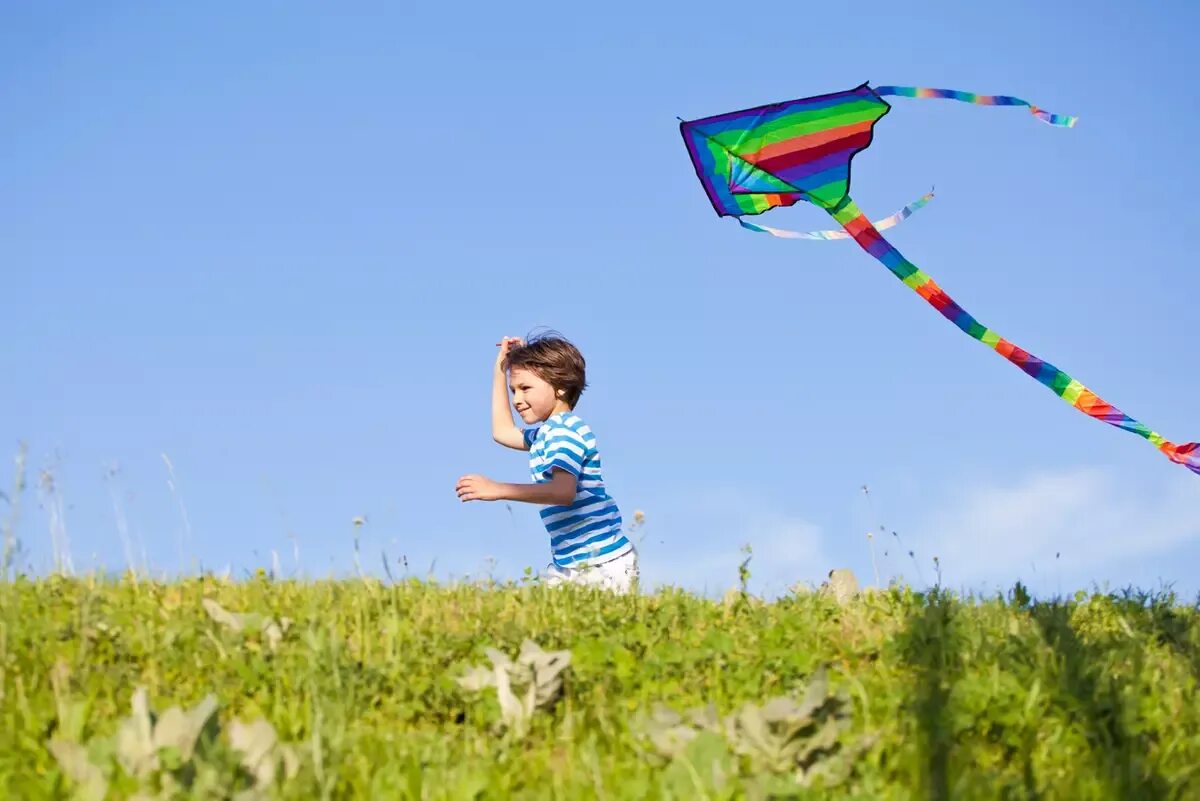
869, 239
1059, 120
886, 222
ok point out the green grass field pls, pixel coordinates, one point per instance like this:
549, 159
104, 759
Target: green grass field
900, 695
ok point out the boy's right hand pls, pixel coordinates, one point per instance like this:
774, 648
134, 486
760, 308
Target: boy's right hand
505, 344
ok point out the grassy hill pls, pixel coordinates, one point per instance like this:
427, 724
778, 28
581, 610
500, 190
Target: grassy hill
894, 694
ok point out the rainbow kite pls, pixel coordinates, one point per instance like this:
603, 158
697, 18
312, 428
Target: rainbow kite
780, 154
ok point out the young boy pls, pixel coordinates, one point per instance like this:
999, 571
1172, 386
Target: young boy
546, 377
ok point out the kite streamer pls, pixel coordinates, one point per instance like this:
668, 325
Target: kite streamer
776, 155
885, 223
1060, 120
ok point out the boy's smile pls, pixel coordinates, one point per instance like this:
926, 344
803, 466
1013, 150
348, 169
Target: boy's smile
533, 398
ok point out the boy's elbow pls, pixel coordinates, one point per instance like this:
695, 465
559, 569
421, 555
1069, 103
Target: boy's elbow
565, 491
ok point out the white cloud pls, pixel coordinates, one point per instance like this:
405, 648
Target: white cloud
1106, 526
1102, 526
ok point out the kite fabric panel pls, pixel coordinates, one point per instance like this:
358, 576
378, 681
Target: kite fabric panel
780, 154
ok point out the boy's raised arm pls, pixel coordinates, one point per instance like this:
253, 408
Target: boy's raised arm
504, 431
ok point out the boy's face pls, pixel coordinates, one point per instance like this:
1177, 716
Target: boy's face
532, 397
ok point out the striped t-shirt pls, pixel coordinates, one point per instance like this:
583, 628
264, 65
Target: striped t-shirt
588, 532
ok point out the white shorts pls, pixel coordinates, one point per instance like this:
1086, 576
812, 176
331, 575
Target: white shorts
616, 574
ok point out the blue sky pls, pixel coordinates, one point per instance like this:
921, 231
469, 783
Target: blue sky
277, 243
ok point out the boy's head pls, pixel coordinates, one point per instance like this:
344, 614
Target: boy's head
546, 372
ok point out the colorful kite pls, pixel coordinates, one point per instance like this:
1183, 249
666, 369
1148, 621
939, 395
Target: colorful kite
780, 154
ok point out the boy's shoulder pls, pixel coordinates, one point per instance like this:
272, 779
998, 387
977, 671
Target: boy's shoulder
566, 420
564, 423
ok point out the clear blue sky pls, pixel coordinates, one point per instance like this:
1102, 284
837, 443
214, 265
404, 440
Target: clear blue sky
277, 243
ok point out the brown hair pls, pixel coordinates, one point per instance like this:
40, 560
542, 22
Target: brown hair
555, 360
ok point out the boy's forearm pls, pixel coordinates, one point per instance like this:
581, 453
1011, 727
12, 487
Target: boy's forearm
502, 422
548, 494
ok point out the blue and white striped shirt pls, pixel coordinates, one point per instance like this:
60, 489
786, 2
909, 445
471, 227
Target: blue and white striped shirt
588, 532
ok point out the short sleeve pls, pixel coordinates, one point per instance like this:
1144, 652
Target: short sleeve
565, 450
530, 434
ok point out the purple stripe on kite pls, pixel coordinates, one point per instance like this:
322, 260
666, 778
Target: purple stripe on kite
954, 311
802, 171
814, 182
704, 165
959, 317
820, 101
950, 310
1033, 367
878, 247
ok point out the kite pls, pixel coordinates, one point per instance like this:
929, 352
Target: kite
779, 154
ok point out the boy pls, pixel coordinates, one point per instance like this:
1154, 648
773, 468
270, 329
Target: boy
546, 377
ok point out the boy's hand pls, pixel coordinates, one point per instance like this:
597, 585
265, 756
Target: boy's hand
505, 344
477, 488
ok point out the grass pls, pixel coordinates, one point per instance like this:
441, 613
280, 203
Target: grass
1092, 697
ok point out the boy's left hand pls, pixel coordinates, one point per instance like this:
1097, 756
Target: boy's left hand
477, 488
